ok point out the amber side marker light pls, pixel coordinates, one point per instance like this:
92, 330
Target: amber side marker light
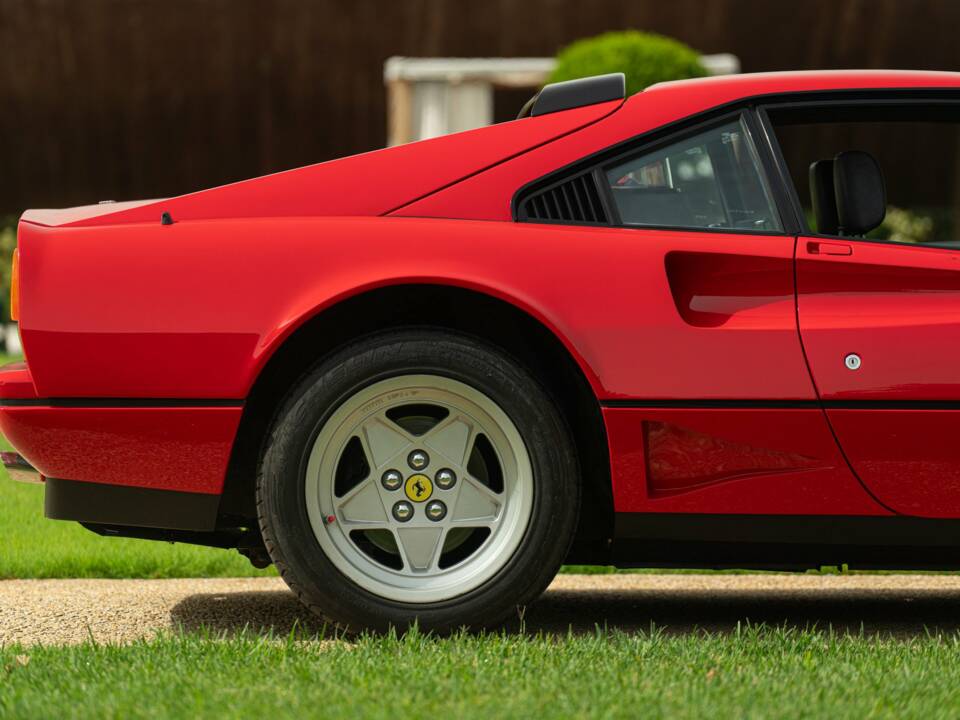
15, 286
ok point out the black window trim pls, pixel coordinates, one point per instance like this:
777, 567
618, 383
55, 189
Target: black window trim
606, 199
778, 174
929, 97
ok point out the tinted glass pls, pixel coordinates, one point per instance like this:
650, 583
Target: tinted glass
710, 180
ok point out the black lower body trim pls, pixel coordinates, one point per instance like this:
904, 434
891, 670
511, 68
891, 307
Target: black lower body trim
787, 542
822, 529
123, 505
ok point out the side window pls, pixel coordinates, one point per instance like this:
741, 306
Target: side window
710, 180
912, 152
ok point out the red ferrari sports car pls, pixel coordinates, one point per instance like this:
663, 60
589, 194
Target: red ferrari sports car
713, 324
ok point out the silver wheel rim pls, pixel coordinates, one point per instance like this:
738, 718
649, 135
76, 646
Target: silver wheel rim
435, 552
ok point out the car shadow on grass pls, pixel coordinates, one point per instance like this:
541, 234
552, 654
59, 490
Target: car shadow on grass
901, 613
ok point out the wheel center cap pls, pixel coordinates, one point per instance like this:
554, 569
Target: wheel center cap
418, 487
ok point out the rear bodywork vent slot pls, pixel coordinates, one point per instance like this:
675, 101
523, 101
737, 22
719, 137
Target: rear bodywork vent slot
575, 200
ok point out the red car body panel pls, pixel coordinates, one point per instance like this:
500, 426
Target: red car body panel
183, 333
887, 303
898, 308
737, 461
910, 459
209, 342
671, 329
184, 449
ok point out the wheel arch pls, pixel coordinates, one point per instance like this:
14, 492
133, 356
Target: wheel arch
514, 329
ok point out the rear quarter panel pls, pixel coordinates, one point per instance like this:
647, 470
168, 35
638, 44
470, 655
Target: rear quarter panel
194, 310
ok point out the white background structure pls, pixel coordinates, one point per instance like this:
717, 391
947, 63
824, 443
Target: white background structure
427, 97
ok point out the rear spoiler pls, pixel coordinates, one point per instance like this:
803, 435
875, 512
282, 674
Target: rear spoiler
575, 93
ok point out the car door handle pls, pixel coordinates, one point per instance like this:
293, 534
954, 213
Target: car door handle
829, 248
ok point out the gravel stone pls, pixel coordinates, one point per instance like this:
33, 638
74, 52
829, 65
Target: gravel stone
120, 611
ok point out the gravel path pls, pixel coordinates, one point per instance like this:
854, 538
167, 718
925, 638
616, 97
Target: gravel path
70, 611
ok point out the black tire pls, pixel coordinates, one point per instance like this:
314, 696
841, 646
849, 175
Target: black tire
281, 503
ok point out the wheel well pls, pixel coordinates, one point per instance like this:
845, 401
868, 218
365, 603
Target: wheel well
472, 313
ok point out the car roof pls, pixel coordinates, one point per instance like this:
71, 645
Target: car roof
669, 101
729, 88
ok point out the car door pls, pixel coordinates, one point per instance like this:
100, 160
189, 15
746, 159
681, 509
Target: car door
881, 330
879, 302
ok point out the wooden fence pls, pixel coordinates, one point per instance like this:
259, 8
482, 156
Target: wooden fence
117, 99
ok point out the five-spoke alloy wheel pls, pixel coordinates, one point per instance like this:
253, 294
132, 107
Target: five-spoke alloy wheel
418, 476
419, 488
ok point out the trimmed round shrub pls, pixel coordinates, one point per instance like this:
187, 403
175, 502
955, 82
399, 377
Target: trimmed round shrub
645, 58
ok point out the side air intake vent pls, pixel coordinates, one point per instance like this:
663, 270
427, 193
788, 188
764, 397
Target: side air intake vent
575, 201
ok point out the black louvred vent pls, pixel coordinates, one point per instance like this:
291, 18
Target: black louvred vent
575, 200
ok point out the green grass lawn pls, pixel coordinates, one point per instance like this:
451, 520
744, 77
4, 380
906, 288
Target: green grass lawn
754, 673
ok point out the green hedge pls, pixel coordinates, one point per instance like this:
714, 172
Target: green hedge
645, 58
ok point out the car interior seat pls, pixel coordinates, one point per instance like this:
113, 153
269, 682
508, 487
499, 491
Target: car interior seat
860, 191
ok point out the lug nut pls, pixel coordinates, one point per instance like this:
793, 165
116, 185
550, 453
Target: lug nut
392, 480
445, 478
436, 510
403, 511
418, 459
